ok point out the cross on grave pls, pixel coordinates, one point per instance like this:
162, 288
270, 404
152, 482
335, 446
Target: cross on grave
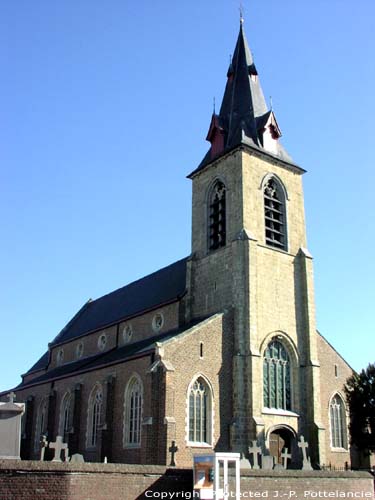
285, 456
43, 446
172, 450
11, 397
255, 450
58, 446
306, 465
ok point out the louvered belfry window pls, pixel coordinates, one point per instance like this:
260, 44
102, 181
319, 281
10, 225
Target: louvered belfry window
217, 216
274, 214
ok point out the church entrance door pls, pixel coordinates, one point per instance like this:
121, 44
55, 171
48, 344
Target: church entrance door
280, 439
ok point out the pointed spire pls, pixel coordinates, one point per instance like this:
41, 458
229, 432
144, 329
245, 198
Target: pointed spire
244, 117
243, 100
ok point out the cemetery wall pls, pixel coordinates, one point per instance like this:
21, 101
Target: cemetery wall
31, 480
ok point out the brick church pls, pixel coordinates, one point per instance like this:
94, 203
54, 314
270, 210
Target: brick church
218, 349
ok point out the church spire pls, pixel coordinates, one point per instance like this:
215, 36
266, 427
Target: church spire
243, 101
244, 117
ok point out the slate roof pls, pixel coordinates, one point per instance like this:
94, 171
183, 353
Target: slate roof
243, 109
161, 287
113, 356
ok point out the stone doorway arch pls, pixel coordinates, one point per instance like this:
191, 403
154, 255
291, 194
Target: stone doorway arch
279, 438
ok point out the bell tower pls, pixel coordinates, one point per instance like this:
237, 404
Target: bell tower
249, 259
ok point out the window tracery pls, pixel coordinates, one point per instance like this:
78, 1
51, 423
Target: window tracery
274, 214
200, 412
217, 216
338, 422
276, 377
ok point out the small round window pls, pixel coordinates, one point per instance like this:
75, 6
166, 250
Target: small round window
60, 357
127, 333
102, 341
79, 350
157, 322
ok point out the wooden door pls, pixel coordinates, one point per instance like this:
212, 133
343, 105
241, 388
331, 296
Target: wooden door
277, 444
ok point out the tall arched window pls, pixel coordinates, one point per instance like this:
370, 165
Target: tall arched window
217, 216
133, 402
94, 415
338, 422
200, 413
41, 423
274, 214
65, 416
276, 377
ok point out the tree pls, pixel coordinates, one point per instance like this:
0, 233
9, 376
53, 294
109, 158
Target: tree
360, 393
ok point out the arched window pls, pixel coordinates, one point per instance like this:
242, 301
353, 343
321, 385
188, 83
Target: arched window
338, 422
65, 416
200, 414
41, 423
276, 377
133, 402
217, 216
94, 416
274, 214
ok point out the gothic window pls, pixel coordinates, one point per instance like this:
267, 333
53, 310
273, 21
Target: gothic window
200, 412
274, 214
41, 423
276, 377
65, 416
337, 422
133, 412
217, 216
94, 419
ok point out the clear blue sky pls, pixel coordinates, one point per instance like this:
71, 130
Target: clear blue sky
104, 108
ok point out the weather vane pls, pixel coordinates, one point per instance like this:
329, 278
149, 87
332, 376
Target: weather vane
241, 13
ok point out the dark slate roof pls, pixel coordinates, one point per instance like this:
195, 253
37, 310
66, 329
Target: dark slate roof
243, 109
41, 364
162, 287
113, 356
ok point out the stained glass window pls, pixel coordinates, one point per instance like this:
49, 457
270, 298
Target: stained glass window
338, 422
276, 377
133, 413
199, 412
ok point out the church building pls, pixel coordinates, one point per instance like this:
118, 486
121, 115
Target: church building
219, 349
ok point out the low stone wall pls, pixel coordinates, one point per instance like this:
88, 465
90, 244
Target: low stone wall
28, 480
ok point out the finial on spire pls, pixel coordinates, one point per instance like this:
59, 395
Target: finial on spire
271, 103
214, 105
241, 14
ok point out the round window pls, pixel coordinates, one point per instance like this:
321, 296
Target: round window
157, 322
60, 356
127, 333
102, 341
79, 350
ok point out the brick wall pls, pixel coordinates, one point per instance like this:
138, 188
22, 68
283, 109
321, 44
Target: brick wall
26, 480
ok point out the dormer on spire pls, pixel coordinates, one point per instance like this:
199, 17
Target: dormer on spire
244, 117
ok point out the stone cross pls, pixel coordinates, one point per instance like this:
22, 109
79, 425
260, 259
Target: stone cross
11, 397
285, 456
58, 446
43, 446
172, 450
306, 465
255, 450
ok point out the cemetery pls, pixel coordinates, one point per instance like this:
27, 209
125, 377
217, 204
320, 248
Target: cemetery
212, 476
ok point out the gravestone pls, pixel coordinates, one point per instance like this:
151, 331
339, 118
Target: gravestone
58, 446
173, 450
306, 464
255, 451
77, 459
285, 457
10, 428
268, 462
